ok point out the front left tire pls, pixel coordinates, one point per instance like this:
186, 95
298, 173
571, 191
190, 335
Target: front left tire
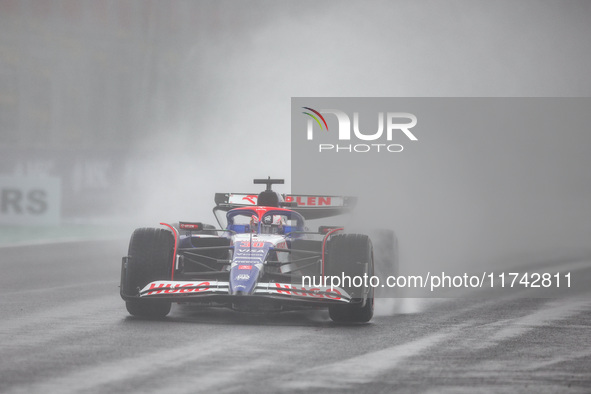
149, 259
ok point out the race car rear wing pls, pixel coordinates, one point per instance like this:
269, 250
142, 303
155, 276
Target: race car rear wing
309, 206
317, 206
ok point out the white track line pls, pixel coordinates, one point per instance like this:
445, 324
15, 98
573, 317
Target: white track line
552, 311
195, 353
361, 369
45, 242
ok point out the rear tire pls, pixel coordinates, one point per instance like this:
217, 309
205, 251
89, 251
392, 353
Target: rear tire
149, 259
351, 255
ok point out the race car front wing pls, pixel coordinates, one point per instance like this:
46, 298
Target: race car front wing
184, 290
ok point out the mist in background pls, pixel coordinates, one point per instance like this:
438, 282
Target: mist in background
144, 109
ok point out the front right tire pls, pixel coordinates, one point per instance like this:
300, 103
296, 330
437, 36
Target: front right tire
351, 255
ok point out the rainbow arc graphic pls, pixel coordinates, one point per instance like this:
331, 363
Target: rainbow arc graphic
316, 118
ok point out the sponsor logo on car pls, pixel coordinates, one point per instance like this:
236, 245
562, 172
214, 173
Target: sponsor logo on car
254, 244
333, 294
251, 198
249, 260
251, 251
190, 226
172, 287
244, 267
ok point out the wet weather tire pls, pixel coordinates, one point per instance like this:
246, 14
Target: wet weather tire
151, 309
351, 255
149, 259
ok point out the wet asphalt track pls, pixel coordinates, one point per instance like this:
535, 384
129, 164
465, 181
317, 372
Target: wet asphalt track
64, 329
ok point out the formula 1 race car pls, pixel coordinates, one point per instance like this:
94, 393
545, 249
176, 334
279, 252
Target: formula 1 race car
263, 258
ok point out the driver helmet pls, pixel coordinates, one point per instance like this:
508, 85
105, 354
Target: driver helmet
272, 224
